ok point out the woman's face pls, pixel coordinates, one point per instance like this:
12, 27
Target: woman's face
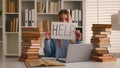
63, 18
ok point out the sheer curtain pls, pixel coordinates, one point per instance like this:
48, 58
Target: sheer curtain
101, 11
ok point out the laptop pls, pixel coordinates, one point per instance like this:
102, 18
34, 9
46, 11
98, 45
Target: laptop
77, 53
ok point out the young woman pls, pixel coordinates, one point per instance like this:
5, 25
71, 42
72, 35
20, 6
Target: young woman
56, 47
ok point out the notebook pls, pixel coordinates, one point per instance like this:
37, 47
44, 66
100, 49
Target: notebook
77, 53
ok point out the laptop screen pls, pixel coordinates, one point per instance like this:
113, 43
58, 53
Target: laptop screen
78, 52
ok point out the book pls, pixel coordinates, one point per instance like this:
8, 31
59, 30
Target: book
31, 29
103, 58
100, 48
45, 24
101, 32
100, 41
29, 18
30, 49
101, 54
30, 54
39, 25
32, 42
7, 6
25, 59
101, 29
38, 7
30, 37
29, 44
99, 35
33, 18
102, 25
31, 33
102, 45
30, 57
17, 25
43, 62
26, 17
103, 39
100, 51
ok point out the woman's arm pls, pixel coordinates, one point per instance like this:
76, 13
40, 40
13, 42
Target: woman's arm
47, 48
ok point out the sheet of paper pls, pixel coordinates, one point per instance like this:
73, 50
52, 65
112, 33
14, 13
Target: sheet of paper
60, 30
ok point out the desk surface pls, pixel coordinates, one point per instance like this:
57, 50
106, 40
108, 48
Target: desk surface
89, 64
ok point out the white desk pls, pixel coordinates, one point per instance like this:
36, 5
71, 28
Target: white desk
89, 64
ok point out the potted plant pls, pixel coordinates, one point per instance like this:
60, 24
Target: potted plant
0, 12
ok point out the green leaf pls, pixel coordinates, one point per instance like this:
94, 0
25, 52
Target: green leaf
0, 12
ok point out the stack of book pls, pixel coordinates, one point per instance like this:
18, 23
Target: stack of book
30, 44
101, 42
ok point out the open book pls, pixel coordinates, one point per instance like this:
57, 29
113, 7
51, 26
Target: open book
43, 62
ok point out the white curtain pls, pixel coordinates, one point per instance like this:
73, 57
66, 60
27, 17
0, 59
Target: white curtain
101, 11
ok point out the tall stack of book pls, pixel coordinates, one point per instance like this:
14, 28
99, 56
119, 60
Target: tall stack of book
30, 44
101, 42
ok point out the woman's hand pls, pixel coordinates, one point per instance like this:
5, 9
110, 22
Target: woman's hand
78, 35
48, 35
